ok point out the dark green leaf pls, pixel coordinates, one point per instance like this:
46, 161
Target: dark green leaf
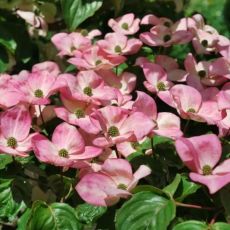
9, 207
23, 220
88, 213
224, 195
220, 226
191, 225
55, 216
145, 210
171, 188
5, 159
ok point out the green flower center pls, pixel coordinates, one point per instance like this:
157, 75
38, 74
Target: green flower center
204, 43
166, 38
125, 26
79, 113
98, 62
117, 49
135, 145
167, 24
113, 131
191, 110
88, 91
63, 153
207, 170
11, 142
202, 73
38, 93
161, 86
122, 186
84, 32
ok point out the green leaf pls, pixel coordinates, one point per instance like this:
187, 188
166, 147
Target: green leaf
88, 213
171, 188
160, 140
145, 210
185, 189
149, 188
4, 59
23, 220
220, 226
191, 225
5, 159
55, 216
9, 207
77, 11
118, 5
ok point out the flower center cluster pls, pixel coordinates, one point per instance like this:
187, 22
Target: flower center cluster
135, 145
125, 26
161, 86
84, 32
63, 153
166, 38
38, 93
207, 170
191, 110
11, 142
79, 113
202, 73
204, 43
117, 49
98, 62
88, 91
167, 24
122, 186
113, 131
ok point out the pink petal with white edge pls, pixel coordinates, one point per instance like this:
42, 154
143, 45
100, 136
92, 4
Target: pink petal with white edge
133, 124
141, 172
16, 123
99, 189
222, 168
119, 170
67, 137
213, 182
145, 104
168, 124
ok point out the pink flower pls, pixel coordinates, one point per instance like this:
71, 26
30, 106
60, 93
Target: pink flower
14, 132
224, 97
118, 126
201, 154
127, 24
200, 107
154, 20
114, 181
165, 124
95, 58
156, 78
208, 73
89, 87
117, 43
68, 44
47, 66
66, 148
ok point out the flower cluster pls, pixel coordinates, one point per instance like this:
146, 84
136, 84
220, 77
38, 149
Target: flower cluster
103, 119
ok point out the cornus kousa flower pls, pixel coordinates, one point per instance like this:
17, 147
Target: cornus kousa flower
116, 126
224, 97
15, 126
151, 19
37, 87
206, 73
69, 44
114, 181
66, 149
95, 58
90, 34
166, 124
117, 43
201, 155
76, 112
127, 24
89, 87
199, 107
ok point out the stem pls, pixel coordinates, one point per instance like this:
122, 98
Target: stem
40, 111
213, 220
186, 126
194, 206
